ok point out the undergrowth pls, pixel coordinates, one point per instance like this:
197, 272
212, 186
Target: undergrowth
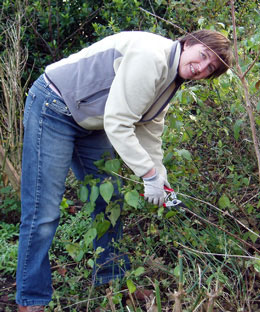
201, 258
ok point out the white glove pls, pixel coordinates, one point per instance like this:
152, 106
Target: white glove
154, 189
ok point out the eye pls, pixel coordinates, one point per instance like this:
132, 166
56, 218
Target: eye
211, 69
203, 55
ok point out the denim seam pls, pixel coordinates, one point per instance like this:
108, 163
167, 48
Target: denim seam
36, 207
81, 162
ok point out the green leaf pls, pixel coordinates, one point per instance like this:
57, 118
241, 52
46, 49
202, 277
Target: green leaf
117, 298
176, 271
224, 201
83, 193
170, 214
184, 154
131, 286
160, 212
257, 266
102, 228
114, 214
89, 207
106, 191
64, 203
139, 271
132, 198
94, 193
112, 165
253, 237
168, 158
258, 107
90, 263
237, 128
75, 251
90, 236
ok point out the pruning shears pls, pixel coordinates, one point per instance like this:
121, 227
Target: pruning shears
171, 199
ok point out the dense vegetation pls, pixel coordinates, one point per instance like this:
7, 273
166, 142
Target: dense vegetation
203, 258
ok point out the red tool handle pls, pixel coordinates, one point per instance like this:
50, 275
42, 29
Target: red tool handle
167, 189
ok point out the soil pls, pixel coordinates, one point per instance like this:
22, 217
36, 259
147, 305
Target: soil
7, 294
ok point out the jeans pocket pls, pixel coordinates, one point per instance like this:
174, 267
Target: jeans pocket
28, 105
58, 106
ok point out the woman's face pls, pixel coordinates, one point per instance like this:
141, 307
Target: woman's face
197, 62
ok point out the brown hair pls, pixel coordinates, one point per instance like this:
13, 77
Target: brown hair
216, 42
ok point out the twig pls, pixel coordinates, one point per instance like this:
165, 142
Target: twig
110, 299
212, 296
90, 17
218, 254
225, 213
224, 230
251, 65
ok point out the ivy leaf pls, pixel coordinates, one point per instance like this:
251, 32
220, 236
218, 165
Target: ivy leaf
132, 198
106, 191
90, 236
224, 201
83, 193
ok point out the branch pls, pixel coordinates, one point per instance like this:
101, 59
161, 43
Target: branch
90, 17
251, 66
9, 170
246, 91
222, 229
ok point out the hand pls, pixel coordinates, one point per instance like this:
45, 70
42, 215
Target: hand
154, 189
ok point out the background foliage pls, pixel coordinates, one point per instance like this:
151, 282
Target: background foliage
209, 155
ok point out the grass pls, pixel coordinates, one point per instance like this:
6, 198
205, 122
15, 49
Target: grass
197, 280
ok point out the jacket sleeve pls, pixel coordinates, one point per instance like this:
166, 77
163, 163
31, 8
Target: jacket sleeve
149, 135
138, 77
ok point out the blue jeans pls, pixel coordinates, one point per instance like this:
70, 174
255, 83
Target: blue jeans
54, 143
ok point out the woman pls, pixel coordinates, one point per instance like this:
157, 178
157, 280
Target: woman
112, 95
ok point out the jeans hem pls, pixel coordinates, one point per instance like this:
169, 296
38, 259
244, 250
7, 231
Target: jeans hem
25, 302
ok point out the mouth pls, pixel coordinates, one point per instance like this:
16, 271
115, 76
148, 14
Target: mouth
192, 70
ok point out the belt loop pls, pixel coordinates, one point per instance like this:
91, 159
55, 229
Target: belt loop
46, 80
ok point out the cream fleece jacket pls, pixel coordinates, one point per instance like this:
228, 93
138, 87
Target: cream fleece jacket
123, 84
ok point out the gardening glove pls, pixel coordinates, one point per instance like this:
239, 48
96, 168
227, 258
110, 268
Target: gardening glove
154, 189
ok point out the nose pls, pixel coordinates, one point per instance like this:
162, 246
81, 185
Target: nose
203, 65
